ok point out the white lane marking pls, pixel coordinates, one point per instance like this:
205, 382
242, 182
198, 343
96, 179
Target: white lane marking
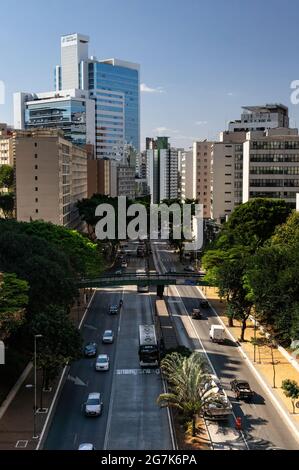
137, 371
61, 380
170, 424
109, 418
207, 356
258, 376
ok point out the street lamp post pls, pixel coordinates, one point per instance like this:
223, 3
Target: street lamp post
35, 436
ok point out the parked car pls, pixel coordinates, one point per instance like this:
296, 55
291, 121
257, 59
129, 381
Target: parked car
86, 446
241, 389
113, 309
124, 264
94, 405
102, 362
189, 269
118, 272
90, 350
203, 303
108, 336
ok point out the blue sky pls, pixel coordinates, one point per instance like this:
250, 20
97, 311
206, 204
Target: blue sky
201, 60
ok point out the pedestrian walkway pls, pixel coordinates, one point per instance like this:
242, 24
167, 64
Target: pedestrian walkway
273, 369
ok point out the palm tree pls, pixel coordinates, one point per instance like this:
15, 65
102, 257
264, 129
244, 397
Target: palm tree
189, 386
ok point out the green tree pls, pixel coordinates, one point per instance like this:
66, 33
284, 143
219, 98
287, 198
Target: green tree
228, 259
6, 176
46, 269
291, 390
189, 385
273, 280
13, 300
7, 204
60, 343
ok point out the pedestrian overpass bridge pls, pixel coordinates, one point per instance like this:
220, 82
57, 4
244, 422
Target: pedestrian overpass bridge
140, 279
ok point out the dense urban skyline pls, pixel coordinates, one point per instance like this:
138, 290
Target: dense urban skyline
187, 54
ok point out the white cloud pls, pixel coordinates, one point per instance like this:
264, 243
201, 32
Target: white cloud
201, 123
161, 129
146, 89
230, 93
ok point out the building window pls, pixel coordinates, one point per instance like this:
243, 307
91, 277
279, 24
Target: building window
35, 155
36, 167
36, 189
35, 144
36, 211
35, 178
36, 199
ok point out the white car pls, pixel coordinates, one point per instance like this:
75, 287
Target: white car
102, 362
86, 446
94, 405
108, 336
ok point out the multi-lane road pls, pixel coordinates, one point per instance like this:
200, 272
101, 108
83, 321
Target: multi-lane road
263, 425
131, 418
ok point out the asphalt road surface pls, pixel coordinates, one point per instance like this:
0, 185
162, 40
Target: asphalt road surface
263, 425
131, 419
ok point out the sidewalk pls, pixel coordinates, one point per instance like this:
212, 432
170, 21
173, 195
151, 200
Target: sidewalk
283, 368
17, 423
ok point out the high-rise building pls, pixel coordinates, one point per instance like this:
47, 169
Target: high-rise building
69, 110
6, 157
227, 180
113, 84
51, 176
162, 167
187, 175
113, 87
271, 165
202, 156
260, 118
227, 174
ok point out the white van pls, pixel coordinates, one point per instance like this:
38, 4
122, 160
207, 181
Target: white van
217, 334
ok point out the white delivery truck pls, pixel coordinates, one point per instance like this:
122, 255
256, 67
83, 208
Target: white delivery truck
217, 334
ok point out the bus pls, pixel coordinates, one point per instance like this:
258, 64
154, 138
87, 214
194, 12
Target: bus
148, 346
142, 288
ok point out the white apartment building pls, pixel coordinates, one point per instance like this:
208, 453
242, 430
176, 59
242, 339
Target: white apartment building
188, 175
271, 165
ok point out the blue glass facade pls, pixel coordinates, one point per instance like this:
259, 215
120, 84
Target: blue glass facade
68, 115
109, 77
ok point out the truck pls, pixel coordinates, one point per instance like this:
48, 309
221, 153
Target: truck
217, 334
219, 407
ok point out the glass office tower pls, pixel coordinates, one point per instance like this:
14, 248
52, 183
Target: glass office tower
117, 76
68, 115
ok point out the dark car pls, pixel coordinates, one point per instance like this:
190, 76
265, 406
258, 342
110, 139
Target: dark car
203, 303
90, 350
241, 389
113, 309
196, 314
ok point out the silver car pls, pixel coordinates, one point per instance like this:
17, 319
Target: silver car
108, 336
94, 405
102, 362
